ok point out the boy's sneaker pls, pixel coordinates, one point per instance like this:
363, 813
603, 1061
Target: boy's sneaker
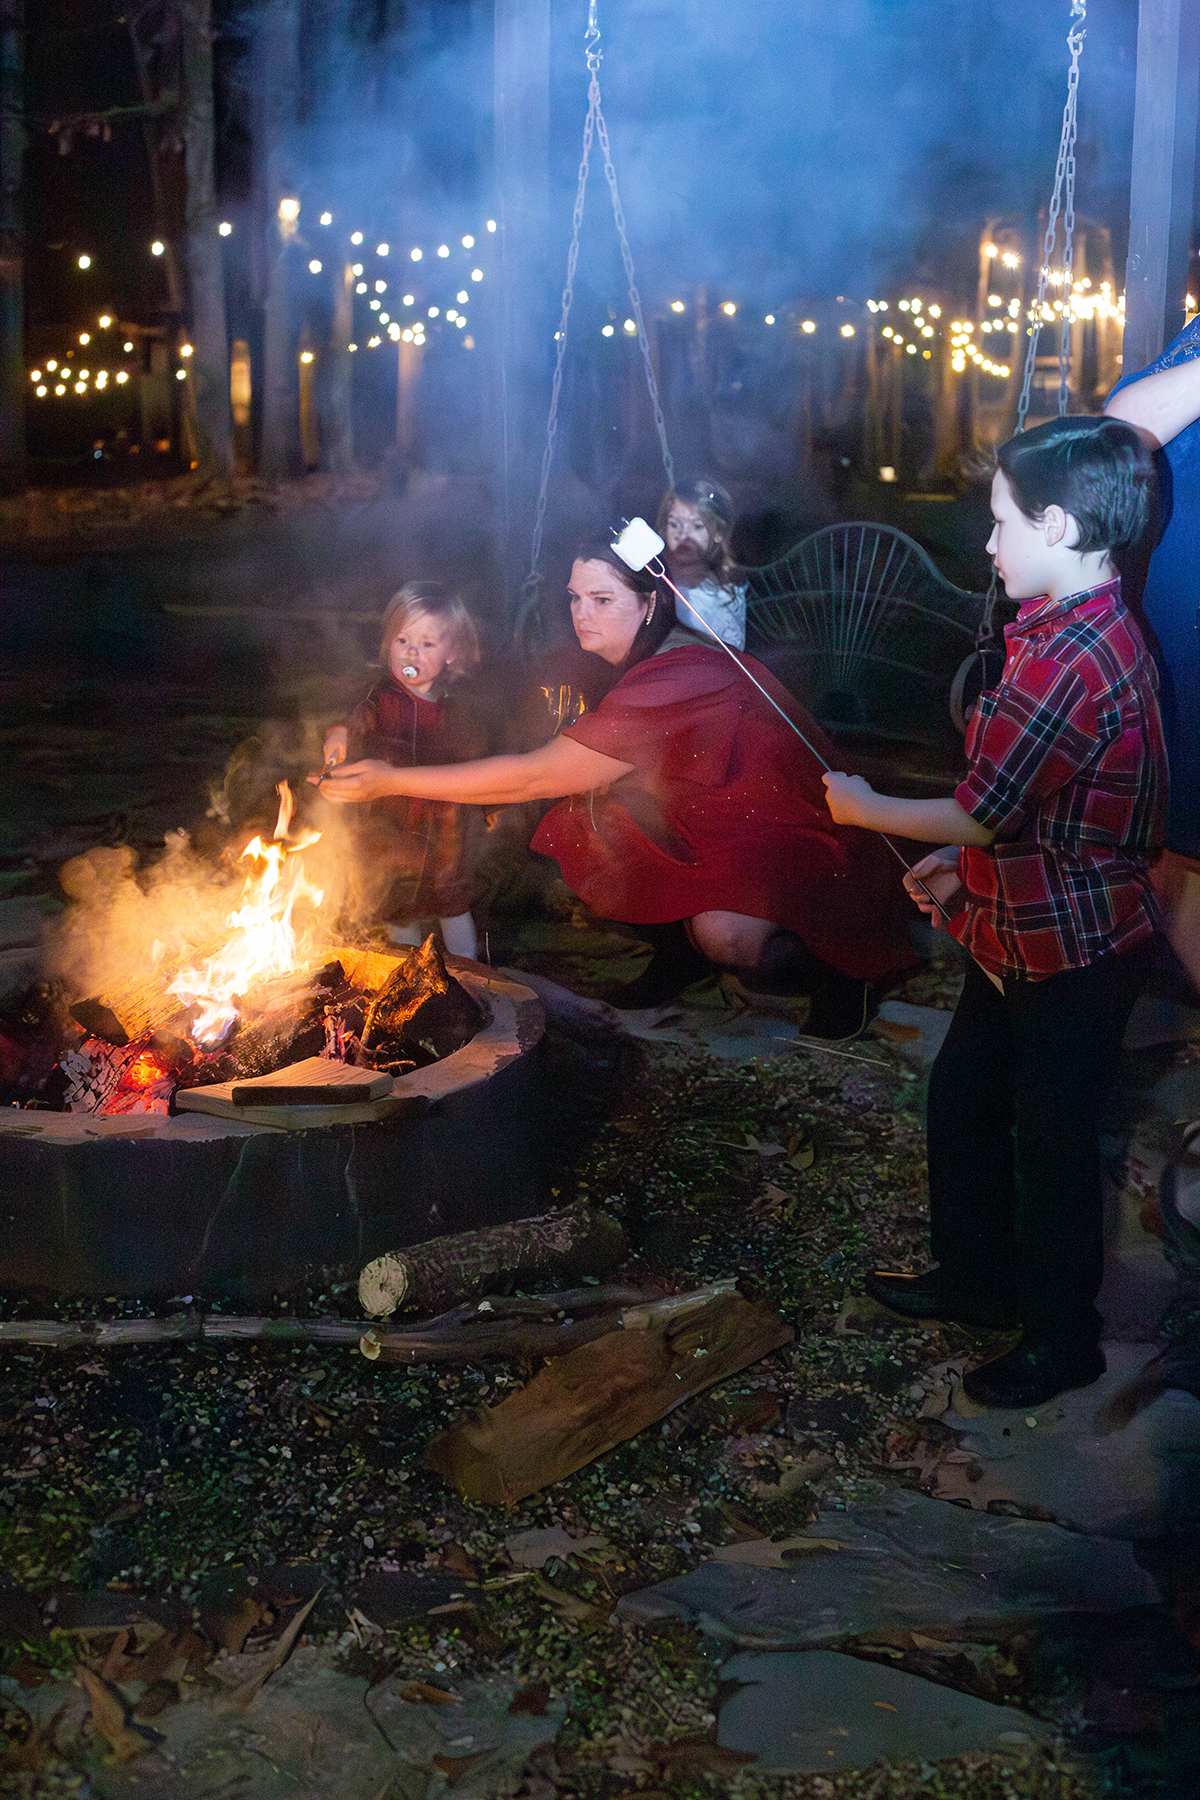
932, 1297
1033, 1373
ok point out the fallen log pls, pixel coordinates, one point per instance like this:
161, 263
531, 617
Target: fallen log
583, 1404
432, 1276
538, 1325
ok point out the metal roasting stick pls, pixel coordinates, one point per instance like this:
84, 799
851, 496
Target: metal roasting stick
646, 539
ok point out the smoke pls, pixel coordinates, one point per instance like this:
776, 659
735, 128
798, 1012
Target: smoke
133, 924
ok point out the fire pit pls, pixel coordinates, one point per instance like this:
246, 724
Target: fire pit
146, 1203
242, 1101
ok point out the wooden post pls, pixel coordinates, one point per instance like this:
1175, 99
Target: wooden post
1162, 184
208, 368
521, 80
12, 247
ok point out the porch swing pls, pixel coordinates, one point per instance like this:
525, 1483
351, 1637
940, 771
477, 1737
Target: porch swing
853, 607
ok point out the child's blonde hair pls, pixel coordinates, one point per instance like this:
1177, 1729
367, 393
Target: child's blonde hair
430, 597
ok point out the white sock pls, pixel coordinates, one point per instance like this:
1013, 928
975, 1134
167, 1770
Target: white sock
407, 934
459, 937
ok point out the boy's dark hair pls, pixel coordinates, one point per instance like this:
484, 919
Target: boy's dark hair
1098, 470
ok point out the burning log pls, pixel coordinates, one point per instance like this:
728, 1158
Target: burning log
434, 1275
580, 1406
421, 1014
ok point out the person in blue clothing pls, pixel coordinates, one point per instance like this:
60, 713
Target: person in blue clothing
1163, 401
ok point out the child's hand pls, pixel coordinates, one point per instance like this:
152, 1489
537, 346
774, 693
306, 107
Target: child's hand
336, 745
357, 781
849, 799
939, 873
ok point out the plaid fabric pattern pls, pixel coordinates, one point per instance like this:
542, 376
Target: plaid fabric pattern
1067, 767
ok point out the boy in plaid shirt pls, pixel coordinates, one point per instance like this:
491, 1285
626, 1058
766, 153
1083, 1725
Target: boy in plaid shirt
1044, 880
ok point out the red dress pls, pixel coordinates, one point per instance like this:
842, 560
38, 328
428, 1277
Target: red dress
725, 811
417, 854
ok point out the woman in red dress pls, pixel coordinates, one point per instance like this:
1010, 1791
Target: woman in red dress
684, 796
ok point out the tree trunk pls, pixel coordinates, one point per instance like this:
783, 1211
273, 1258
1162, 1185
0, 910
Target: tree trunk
208, 365
334, 373
435, 1275
276, 74
12, 248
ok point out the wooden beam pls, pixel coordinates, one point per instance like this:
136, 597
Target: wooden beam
1163, 180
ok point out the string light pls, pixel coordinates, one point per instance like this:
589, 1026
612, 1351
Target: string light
408, 299
770, 319
181, 374
128, 345
327, 218
85, 337
416, 254
314, 267
468, 243
728, 308
185, 349
462, 296
35, 374
677, 306
289, 209
847, 331
360, 287
631, 326
51, 364
356, 237
157, 247
443, 249
382, 249
606, 331
105, 321
476, 274
809, 326
85, 262
225, 228
41, 393
306, 356
491, 224
122, 377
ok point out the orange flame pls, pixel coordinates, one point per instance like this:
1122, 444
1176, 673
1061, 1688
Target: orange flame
263, 942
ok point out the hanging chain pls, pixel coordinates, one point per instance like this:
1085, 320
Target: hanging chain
593, 126
635, 299
531, 586
1064, 182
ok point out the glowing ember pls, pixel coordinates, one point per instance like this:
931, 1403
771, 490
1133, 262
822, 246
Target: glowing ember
263, 943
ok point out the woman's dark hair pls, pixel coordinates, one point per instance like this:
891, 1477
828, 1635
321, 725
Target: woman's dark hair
661, 617
1098, 470
715, 507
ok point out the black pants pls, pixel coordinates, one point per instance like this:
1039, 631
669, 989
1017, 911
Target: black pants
1015, 1099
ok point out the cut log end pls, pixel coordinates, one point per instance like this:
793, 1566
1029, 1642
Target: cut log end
382, 1286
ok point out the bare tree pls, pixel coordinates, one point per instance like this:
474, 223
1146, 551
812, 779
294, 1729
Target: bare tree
12, 247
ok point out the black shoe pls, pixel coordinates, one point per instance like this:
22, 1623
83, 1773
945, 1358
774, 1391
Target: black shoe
930, 1296
675, 964
1033, 1373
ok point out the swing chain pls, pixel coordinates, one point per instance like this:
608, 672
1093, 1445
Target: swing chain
1064, 182
594, 125
531, 586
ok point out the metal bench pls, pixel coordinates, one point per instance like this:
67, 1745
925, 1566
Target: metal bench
859, 623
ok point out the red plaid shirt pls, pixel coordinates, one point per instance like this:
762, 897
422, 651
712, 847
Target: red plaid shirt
1067, 767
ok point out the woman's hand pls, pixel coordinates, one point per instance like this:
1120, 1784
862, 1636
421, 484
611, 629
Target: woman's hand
849, 798
358, 781
939, 873
336, 745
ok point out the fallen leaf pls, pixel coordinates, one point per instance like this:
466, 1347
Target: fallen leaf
886, 1706
700, 1754
761, 1553
114, 1666
459, 1562
739, 1524
112, 1717
532, 1699
156, 1698
586, 1615
801, 1151
423, 1693
893, 1032
275, 1659
231, 1629
534, 1548
455, 1767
